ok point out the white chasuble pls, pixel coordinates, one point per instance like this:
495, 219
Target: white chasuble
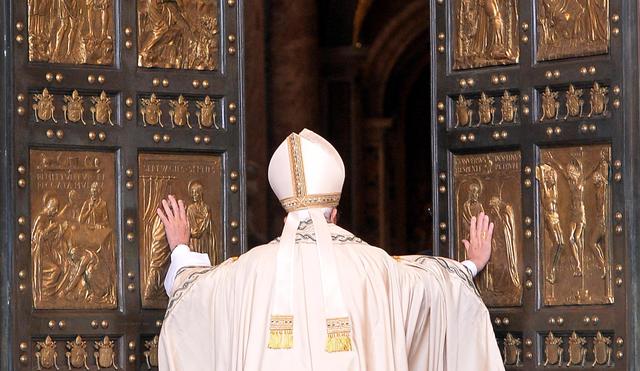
408, 313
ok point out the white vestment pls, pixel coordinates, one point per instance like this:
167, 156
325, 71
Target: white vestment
407, 313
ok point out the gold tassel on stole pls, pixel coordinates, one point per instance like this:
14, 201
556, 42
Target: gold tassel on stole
338, 335
281, 332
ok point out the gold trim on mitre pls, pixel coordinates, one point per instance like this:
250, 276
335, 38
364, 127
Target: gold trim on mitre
297, 166
301, 200
310, 201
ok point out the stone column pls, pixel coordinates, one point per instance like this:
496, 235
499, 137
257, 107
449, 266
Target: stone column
292, 71
292, 76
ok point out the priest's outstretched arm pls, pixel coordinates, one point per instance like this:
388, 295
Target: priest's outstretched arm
174, 217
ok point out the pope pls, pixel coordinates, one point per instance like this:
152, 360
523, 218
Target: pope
319, 298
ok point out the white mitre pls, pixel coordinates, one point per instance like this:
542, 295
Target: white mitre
307, 174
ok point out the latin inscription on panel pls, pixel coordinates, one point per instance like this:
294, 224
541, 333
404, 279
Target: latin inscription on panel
178, 34
486, 33
576, 248
72, 229
196, 179
71, 31
572, 28
491, 183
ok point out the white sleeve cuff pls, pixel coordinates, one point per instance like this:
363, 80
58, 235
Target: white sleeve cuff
471, 266
182, 257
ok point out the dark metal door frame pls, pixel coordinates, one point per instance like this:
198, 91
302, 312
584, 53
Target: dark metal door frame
618, 67
19, 322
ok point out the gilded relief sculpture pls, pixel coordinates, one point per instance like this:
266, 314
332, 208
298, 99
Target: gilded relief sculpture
73, 244
73, 109
550, 105
464, 113
486, 33
574, 176
511, 351
490, 183
193, 178
46, 355
77, 353
105, 354
572, 28
151, 111
202, 239
180, 112
573, 102
101, 110
548, 178
505, 224
207, 113
71, 31
553, 350
44, 107
598, 236
178, 34
598, 100
577, 351
486, 110
601, 350
508, 108
564, 177
151, 354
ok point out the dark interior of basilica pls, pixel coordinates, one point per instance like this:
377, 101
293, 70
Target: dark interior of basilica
357, 72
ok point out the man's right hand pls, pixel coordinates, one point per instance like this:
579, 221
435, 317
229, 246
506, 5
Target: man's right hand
176, 224
479, 244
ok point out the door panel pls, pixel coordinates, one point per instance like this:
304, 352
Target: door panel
197, 179
529, 128
493, 179
117, 104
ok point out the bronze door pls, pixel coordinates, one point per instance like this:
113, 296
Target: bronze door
530, 128
114, 105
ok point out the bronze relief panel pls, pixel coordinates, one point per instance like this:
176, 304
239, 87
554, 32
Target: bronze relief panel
180, 34
73, 240
490, 182
196, 179
71, 31
576, 233
486, 33
572, 28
